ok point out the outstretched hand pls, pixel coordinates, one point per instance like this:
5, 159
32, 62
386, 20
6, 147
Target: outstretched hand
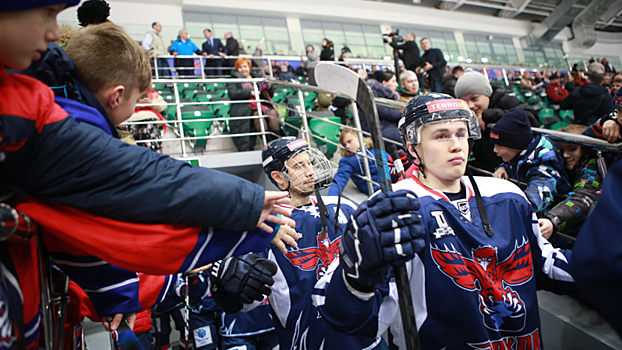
286, 236
270, 202
114, 322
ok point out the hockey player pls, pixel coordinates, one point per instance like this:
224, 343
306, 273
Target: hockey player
295, 167
475, 273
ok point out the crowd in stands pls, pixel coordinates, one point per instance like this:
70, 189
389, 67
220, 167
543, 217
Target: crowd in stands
561, 179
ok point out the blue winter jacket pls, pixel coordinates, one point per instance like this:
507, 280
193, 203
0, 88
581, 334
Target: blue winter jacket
541, 167
184, 48
47, 153
349, 168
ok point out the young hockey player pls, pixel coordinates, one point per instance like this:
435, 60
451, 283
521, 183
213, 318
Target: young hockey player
295, 167
475, 273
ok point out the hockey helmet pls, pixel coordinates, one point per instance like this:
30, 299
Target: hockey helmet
300, 164
432, 108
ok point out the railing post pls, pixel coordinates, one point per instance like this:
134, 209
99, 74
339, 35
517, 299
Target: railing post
155, 67
602, 166
202, 68
306, 132
357, 123
270, 67
184, 153
260, 114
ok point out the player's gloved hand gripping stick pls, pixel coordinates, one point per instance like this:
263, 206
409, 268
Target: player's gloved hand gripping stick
345, 81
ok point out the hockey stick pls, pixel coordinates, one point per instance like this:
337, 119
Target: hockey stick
347, 82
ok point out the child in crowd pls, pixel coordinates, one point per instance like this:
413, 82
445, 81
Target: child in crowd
529, 159
351, 165
582, 172
608, 127
489, 105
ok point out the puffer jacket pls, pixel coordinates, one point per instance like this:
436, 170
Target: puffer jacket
541, 167
589, 103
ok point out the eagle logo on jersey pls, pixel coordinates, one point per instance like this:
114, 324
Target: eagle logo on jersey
501, 307
320, 257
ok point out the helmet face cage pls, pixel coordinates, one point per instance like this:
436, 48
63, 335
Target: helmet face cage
413, 130
308, 169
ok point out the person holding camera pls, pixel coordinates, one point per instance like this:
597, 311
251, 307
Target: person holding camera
410, 52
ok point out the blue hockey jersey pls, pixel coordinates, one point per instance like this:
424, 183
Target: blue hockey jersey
297, 321
470, 290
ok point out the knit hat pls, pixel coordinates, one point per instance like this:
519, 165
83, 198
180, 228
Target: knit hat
512, 130
23, 5
472, 83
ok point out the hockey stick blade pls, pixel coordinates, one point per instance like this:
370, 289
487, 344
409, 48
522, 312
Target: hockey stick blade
345, 81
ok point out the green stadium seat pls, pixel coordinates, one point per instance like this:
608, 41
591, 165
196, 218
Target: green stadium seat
327, 131
566, 114
548, 117
203, 96
159, 87
198, 128
294, 121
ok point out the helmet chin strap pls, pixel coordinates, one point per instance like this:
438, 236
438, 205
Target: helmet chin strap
323, 214
419, 161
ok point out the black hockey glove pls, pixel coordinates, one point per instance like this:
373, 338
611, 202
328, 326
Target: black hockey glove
384, 231
245, 277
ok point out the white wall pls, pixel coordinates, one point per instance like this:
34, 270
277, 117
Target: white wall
136, 17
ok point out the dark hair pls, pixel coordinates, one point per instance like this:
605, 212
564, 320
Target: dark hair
312, 48
383, 76
93, 12
153, 24
207, 30
457, 69
596, 78
422, 39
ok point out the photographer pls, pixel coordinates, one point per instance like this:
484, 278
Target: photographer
410, 52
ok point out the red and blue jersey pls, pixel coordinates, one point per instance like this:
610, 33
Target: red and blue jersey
469, 290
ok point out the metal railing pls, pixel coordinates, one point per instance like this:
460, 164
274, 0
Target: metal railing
600, 146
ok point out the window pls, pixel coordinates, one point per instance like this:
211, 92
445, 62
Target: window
365, 41
270, 32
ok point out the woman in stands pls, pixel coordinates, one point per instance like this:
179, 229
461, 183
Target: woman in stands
384, 85
328, 51
245, 91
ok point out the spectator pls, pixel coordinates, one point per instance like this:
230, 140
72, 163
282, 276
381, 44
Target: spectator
153, 42
596, 67
232, 48
410, 86
577, 81
183, 46
575, 67
410, 52
581, 170
351, 165
449, 81
489, 105
434, 63
540, 81
616, 85
345, 49
606, 79
260, 63
608, 127
609, 69
328, 51
246, 91
526, 85
312, 61
384, 85
286, 75
529, 159
213, 50
151, 113
590, 102
555, 91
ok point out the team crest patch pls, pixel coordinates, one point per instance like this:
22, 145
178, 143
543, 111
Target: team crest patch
443, 229
463, 207
501, 307
319, 257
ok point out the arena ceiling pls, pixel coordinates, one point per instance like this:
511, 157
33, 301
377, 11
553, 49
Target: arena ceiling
534, 10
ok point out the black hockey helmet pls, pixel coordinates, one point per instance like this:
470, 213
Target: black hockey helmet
426, 109
276, 154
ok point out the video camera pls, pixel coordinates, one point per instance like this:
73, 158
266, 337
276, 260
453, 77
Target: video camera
393, 37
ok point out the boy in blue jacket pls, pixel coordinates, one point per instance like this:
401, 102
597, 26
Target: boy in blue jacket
529, 159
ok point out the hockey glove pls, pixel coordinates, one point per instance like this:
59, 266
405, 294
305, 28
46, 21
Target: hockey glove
245, 277
384, 231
